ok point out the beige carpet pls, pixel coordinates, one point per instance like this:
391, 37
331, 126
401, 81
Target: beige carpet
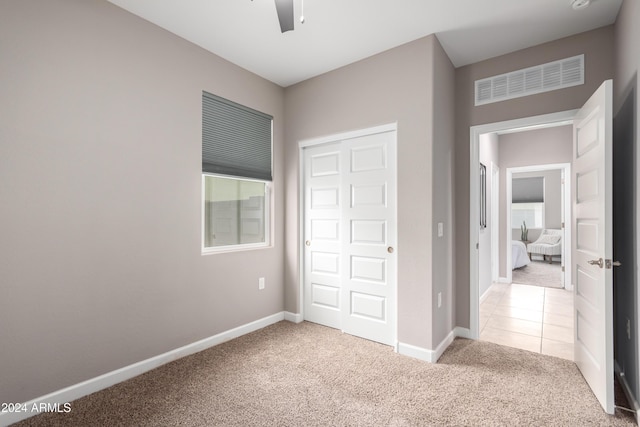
539, 273
309, 375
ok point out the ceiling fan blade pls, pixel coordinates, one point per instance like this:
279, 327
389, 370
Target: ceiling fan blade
285, 14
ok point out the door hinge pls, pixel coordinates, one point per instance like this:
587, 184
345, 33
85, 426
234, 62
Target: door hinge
563, 268
609, 264
562, 225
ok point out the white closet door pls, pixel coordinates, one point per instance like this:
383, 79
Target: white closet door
369, 246
350, 235
323, 234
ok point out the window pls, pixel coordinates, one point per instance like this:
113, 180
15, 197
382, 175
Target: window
527, 198
531, 214
236, 175
236, 212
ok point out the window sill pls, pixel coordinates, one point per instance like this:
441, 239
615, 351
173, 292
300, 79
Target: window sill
235, 248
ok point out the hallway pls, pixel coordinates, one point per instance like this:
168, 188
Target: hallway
528, 317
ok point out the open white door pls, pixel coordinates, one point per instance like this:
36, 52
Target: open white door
592, 244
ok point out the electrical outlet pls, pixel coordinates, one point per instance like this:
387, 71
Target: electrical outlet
628, 329
440, 229
439, 299
261, 283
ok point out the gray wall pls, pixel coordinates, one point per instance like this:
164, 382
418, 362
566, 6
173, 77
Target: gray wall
100, 183
597, 45
443, 134
531, 148
625, 197
395, 86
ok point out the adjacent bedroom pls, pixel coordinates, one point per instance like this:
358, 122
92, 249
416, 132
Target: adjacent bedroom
537, 240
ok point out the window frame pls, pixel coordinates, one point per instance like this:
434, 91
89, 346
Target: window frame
268, 214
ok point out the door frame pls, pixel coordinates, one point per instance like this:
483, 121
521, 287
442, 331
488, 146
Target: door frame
306, 143
566, 210
526, 123
495, 222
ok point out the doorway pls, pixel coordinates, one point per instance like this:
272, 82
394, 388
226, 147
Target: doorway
348, 229
553, 219
529, 123
592, 242
519, 308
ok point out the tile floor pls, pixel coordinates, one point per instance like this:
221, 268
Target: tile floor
528, 317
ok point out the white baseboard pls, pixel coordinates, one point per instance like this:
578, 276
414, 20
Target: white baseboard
503, 280
427, 355
68, 394
462, 332
293, 317
485, 295
415, 352
446, 342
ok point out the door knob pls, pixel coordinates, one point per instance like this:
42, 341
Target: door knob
598, 262
308, 243
390, 249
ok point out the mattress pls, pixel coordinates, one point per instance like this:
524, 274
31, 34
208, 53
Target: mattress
519, 255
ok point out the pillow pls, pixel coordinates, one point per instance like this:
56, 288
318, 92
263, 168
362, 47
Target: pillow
549, 239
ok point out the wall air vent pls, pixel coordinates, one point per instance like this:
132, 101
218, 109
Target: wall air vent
541, 78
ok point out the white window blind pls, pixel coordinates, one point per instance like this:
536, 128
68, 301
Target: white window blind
527, 190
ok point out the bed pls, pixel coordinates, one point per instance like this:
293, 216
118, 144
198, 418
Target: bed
519, 254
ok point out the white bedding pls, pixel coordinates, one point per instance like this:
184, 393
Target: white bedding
519, 255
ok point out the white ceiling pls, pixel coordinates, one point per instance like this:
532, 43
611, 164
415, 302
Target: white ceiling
339, 32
